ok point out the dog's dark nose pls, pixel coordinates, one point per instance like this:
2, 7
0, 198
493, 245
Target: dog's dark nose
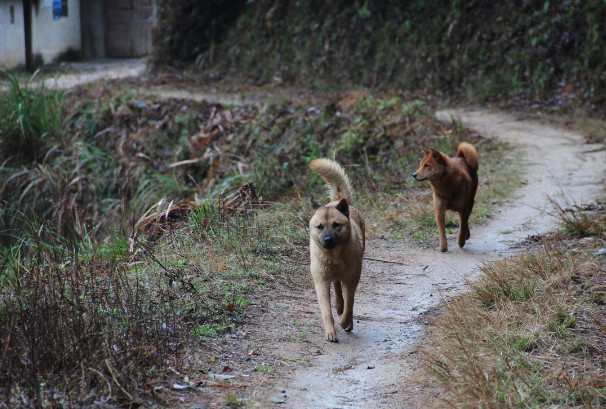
414, 175
329, 242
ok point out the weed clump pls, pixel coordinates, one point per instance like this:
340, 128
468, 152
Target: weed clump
578, 221
32, 120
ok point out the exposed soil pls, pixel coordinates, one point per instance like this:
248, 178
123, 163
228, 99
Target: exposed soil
370, 367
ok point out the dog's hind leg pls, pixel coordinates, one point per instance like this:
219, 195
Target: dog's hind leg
339, 297
349, 290
323, 293
463, 228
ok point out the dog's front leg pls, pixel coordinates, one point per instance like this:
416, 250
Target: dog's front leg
440, 213
349, 290
339, 297
323, 293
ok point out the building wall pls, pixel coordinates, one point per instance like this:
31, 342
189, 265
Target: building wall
12, 37
96, 28
128, 25
52, 37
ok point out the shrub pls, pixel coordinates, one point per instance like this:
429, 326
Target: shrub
32, 120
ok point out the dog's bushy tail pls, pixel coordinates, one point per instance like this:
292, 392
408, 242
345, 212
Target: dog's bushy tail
469, 154
335, 177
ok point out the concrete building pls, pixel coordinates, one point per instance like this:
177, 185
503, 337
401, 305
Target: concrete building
49, 30
12, 37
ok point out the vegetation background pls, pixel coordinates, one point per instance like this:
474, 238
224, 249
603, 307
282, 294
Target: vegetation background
535, 49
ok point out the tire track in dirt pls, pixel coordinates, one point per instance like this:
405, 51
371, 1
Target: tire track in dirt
367, 367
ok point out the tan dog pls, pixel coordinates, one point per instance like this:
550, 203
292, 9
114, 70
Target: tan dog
454, 182
336, 245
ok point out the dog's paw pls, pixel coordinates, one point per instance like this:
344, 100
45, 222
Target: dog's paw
339, 307
347, 325
461, 243
444, 249
331, 336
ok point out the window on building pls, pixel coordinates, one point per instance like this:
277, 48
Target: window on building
12, 14
64, 10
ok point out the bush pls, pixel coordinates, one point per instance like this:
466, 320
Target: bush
32, 120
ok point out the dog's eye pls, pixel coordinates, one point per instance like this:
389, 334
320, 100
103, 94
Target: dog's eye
426, 165
320, 226
336, 225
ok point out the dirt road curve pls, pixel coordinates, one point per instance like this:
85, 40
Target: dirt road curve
366, 369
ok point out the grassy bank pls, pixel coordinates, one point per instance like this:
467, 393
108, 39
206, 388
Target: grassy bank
531, 332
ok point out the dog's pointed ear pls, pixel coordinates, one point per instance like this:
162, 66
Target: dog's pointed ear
314, 205
343, 207
437, 155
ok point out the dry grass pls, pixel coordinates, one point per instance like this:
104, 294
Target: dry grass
70, 326
103, 324
593, 129
530, 334
581, 221
591, 126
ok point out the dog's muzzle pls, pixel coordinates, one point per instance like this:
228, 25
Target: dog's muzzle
417, 178
328, 242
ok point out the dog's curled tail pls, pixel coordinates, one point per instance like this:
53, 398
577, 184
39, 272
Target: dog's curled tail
335, 177
469, 154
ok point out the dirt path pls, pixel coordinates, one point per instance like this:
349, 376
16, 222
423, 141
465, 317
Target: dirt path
86, 72
367, 367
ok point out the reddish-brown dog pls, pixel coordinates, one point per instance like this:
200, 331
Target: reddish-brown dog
454, 182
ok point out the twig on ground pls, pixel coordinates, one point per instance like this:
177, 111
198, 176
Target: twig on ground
115, 379
109, 384
385, 261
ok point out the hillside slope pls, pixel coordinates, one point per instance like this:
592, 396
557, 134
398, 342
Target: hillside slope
530, 48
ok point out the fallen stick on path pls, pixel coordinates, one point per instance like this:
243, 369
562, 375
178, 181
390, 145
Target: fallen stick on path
385, 261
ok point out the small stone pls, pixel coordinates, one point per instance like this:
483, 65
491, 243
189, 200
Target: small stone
180, 386
600, 252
